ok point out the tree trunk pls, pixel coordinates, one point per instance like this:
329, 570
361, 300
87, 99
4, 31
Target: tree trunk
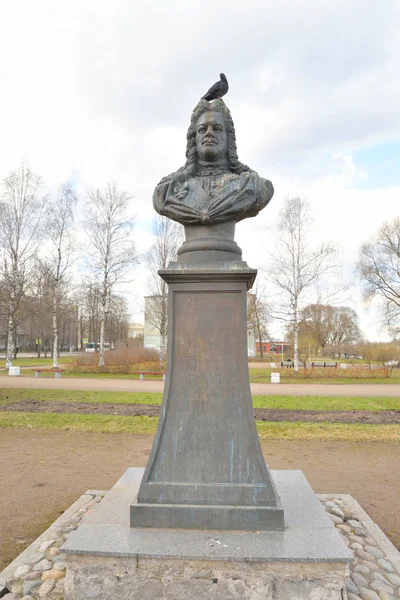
10, 341
55, 329
296, 341
101, 357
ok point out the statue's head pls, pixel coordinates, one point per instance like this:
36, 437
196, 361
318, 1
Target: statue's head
211, 137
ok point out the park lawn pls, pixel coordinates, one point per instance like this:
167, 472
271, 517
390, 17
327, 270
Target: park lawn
142, 425
259, 375
35, 361
50, 373
374, 403
17, 395
263, 375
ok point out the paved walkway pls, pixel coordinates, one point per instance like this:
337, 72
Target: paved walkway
134, 385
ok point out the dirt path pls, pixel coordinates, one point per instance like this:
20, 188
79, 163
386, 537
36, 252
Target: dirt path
265, 414
42, 473
134, 385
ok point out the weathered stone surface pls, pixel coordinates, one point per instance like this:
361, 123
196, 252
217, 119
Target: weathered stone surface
364, 555
374, 551
367, 594
385, 565
379, 586
303, 590
363, 569
393, 579
385, 596
44, 546
29, 586
351, 586
53, 574
43, 565
33, 575
21, 571
359, 580
335, 519
47, 587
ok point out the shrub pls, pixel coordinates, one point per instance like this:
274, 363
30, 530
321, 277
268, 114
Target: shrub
122, 362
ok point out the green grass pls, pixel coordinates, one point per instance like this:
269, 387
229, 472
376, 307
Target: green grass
34, 360
16, 395
263, 375
374, 403
143, 425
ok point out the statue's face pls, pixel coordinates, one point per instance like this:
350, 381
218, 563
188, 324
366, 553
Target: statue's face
211, 136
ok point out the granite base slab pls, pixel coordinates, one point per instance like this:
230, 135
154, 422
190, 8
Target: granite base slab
109, 559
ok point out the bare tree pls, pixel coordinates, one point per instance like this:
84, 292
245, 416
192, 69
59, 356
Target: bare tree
258, 316
168, 236
379, 270
22, 225
59, 257
111, 249
330, 325
296, 267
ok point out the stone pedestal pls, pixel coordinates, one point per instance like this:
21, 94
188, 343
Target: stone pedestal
106, 558
206, 469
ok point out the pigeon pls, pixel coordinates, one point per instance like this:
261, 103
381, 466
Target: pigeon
217, 90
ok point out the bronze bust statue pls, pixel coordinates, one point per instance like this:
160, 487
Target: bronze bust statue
213, 187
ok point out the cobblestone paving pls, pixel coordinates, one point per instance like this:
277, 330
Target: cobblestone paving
40, 571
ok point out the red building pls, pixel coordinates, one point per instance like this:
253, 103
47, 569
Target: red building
272, 347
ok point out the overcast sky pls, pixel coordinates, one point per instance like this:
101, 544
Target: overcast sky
93, 90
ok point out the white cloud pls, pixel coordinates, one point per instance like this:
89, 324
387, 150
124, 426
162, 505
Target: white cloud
97, 90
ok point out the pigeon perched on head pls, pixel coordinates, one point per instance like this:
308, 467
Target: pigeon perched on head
218, 90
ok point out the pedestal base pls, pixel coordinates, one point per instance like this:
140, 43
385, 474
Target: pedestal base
109, 559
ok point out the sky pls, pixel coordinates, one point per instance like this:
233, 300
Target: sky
92, 91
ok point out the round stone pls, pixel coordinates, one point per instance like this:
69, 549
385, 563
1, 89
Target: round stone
364, 555
360, 531
46, 588
372, 566
27, 598
334, 510
359, 580
335, 519
21, 571
9, 597
393, 579
353, 523
353, 596
367, 594
45, 545
370, 541
374, 551
356, 546
53, 552
385, 565
380, 586
356, 538
43, 565
59, 566
344, 528
29, 586
363, 569
33, 575
385, 596
351, 586
53, 574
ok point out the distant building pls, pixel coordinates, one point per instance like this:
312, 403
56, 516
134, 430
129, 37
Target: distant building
251, 341
272, 347
152, 337
135, 330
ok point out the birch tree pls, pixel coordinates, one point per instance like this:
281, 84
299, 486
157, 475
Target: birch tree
379, 270
23, 214
111, 249
168, 236
296, 265
60, 255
